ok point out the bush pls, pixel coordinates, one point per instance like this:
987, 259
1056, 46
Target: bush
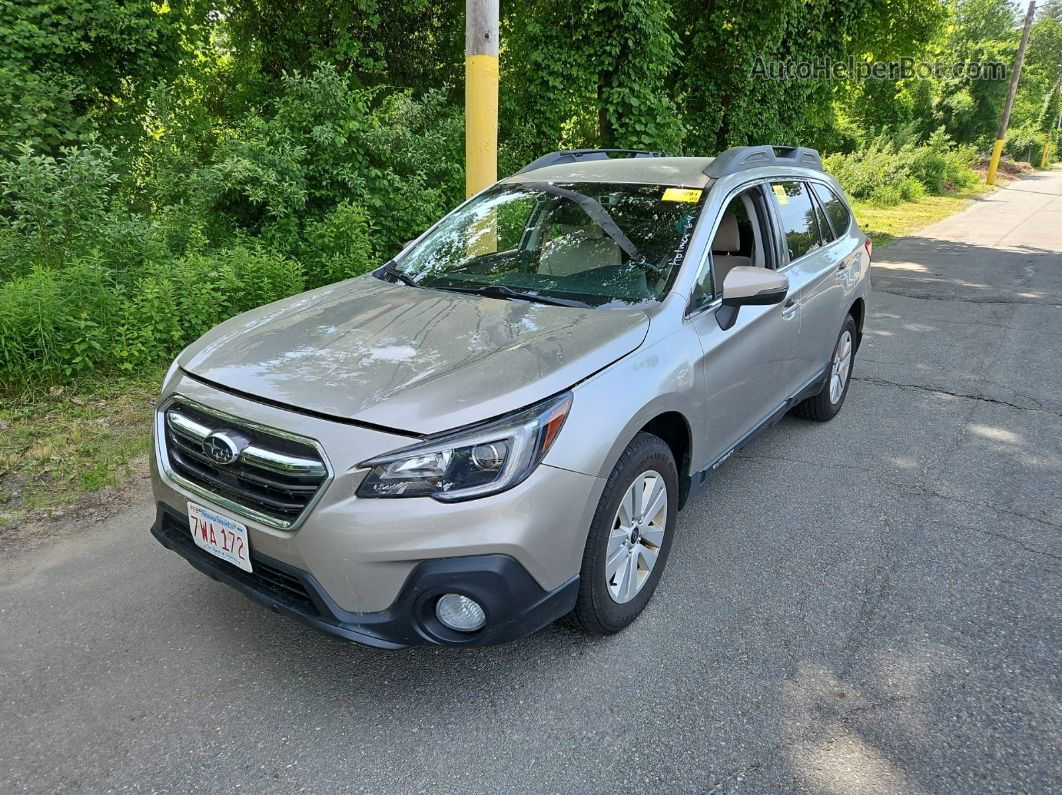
326, 146
872, 174
941, 166
889, 171
340, 245
1024, 143
118, 264
53, 208
52, 322
61, 323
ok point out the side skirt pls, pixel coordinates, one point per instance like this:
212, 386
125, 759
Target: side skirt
812, 388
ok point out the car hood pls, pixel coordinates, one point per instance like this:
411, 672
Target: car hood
413, 359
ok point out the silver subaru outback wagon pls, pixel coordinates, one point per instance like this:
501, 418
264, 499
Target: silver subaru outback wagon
498, 427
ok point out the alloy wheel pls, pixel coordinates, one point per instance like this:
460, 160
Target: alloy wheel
637, 534
842, 363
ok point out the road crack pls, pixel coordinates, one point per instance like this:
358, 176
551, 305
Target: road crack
964, 395
922, 490
954, 300
1011, 539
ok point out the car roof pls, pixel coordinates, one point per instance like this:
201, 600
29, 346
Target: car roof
678, 171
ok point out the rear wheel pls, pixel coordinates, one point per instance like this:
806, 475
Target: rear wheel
630, 537
825, 405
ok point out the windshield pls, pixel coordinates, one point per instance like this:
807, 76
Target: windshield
581, 243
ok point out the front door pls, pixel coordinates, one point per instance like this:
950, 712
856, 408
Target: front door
747, 368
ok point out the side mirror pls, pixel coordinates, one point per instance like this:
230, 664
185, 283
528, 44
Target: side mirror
748, 286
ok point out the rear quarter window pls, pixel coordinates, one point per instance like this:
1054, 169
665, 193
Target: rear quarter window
835, 208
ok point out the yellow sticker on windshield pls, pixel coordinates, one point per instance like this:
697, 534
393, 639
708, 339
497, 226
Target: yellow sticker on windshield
779, 192
682, 195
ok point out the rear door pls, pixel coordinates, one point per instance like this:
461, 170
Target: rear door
816, 260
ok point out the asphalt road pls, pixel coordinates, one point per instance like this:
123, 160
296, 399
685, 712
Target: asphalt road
870, 605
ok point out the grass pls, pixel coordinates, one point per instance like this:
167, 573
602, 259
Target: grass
58, 444
887, 224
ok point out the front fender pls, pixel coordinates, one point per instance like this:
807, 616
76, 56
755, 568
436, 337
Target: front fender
611, 407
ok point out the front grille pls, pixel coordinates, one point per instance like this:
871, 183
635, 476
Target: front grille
273, 477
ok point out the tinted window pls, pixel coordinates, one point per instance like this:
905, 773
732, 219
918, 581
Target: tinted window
825, 232
798, 217
835, 208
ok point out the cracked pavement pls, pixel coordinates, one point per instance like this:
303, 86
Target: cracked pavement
869, 605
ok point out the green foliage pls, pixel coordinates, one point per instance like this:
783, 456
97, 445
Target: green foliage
404, 43
889, 171
1024, 142
340, 245
70, 67
598, 73
325, 152
55, 207
65, 323
324, 183
164, 165
1052, 106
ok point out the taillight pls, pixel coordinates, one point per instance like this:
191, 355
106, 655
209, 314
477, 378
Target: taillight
868, 244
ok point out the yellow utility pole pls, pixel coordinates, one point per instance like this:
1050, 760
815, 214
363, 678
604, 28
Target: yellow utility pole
1015, 73
481, 94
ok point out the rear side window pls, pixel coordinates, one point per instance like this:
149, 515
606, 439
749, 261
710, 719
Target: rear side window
797, 213
826, 234
835, 208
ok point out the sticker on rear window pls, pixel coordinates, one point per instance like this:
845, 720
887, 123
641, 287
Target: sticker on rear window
681, 195
779, 192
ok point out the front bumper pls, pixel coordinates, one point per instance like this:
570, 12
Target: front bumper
515, 605
362, 552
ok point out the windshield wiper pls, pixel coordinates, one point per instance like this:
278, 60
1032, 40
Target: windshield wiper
509, 294
391, 270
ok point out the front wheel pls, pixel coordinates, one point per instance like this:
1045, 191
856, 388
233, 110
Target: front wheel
630, 537
825, 405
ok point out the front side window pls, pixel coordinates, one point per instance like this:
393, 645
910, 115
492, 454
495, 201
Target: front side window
598, 244
797, 214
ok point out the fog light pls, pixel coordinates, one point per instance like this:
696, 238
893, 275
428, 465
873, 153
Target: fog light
460, 613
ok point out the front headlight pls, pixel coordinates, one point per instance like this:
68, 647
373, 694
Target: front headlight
472, 462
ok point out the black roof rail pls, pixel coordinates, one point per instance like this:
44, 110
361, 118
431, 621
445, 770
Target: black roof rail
577, 155
739, 158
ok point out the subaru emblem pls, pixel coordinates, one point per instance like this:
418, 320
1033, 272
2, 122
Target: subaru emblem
221, 448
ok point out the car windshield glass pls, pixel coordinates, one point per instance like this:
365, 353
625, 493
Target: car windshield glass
591, 243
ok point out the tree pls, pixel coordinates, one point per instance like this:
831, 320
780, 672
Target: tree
591, 74
69, 68
405, 43
979, 31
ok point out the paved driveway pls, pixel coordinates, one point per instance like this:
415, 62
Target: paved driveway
868, 605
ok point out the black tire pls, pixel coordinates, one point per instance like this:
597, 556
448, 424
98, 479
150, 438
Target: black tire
821, 407
596, 612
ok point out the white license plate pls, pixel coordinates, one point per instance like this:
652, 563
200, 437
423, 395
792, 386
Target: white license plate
220, 536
